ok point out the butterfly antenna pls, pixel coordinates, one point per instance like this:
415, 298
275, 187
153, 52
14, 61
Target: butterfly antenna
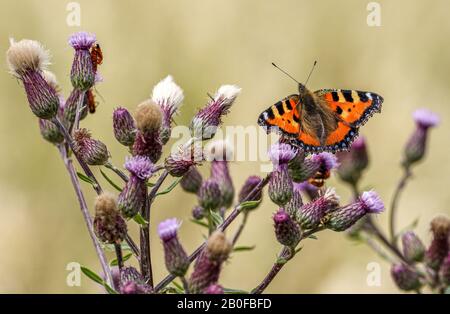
290, 76
310, 72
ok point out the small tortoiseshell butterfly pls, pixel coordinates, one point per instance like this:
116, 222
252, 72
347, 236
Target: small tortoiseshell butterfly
324, 120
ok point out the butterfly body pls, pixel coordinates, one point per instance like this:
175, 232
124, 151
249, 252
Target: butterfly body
324, 120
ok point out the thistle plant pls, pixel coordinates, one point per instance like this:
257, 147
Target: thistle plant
297, 187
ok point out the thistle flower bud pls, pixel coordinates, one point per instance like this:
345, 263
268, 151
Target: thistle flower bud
71, 106
205, 122
168, 95
439, 247
198, 212
209, 263
286, 229
444, 272
192, 180
342, 218
148, 144
176, 259
405, 277
249, 185
302, 171
124, 127
280, 183
209, 195
219, 152
109, 226
93, 152
132, 282
132, 197
416, 145
308, 189
218, 246
281, 154
295, 203
179, 163
413, 248
296, 166
50, 132
310, 215
214, 289
148, 117
82, 74
27, 59
354, 162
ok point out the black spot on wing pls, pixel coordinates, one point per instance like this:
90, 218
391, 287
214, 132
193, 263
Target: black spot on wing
347, 95
335, 96
362, 96
280, 108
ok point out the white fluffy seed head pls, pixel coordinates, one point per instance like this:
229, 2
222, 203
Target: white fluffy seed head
167, 92
50, 78
26, 55
229, 92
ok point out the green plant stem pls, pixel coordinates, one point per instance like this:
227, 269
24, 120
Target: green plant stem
236, 211
392, 214
240, 228
185, 284
119, 255
119, 172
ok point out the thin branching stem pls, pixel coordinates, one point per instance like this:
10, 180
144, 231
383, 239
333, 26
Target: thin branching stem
392, 214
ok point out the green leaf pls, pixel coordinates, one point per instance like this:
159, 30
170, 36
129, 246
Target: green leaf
140, 220
281, 260
199, 222
115, 262
312, 236
110, 181
249, 205
243, 248
85, 178
234, 291
178, 288
111, 248
149, 184
216, 218
298, 249
170, 188
96, 278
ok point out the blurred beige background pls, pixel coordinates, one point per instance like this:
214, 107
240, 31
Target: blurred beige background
204, 44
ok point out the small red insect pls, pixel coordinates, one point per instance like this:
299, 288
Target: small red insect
96, 56
90, 101
318, 180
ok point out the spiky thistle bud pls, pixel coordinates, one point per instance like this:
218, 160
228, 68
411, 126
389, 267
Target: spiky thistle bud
287, 230
179, 163
132, 197
295, 203
109, 226
280, 183
82, 74
247, 188
220, 153
405, 277
343, 218
27, 59
439, 247
198, 212
209, 195
91, 151
444, 271
416, 145
132, 282
354, 162
303, 170
168, 95
214, 289
192, 180
208, 265
413, 248
296, 166
124, 126
176, 259
205, 122
71, 106
311, 214
50, 132
148, 144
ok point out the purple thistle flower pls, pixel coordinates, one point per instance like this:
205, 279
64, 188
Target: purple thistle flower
416, 146
326, 161
192, 180
280, 185
179, 163
205, 122
280, 153
140, 166
209, 195
214, 289
82, 74
353, 162
310, 215
405, 277
148, 144
249, 185
295, 203
439, 247
198, 212
287, 230
124, 127
413, 248
302, 170
168, 95
132, 282
176, 259
343, 218
91, 151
